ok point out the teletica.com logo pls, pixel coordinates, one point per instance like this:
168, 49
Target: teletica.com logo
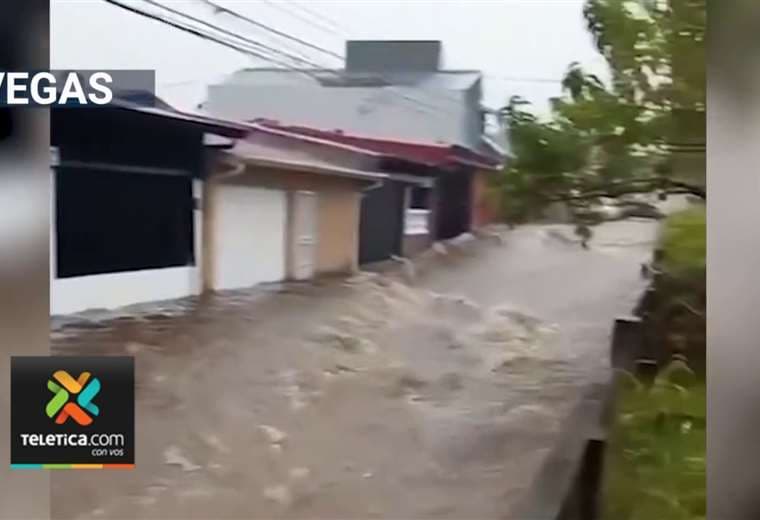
72, 412
83, 389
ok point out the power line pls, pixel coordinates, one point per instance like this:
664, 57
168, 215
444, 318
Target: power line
522, 80
221, 9
255, 43
342, 35
260, 53
258, 44
240, 48
335, 25
283, 9
195, 32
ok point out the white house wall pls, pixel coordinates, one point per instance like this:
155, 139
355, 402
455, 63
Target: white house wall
112, 290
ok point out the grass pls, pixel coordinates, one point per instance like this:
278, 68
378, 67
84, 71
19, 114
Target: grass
684, 243
655, 467
655, 459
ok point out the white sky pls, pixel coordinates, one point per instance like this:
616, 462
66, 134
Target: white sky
505, 39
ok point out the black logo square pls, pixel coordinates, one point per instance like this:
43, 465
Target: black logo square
72, 412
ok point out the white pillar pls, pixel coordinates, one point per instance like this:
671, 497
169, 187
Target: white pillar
54, 161
197, 282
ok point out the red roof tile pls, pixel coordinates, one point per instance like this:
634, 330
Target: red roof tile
429, 154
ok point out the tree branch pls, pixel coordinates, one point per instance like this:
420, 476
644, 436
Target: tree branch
644, 185
689, 188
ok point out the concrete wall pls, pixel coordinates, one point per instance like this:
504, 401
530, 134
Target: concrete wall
484, 208
109, 291
413, 245
338, 231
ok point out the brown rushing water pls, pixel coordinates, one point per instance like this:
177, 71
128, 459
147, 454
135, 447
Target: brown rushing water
366, 398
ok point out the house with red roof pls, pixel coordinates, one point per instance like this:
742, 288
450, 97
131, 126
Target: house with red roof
393, 99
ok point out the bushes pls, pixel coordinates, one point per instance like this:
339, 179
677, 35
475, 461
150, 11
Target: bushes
683, 244
675, 316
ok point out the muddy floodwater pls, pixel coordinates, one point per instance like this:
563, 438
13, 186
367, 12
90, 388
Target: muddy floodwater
428, 394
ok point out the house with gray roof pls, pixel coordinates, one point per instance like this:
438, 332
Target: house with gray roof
391, 91
387, 90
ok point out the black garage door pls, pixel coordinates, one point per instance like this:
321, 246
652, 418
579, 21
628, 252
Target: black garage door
381, 224
108, 222
454, 204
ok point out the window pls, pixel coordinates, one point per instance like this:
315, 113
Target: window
417, 213
419, 198
109, 222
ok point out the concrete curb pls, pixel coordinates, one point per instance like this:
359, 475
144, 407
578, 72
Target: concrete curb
566, 486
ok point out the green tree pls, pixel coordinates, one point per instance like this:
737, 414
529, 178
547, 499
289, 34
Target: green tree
608, 140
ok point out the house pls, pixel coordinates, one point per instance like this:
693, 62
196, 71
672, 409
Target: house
394, 91
151, 204
429, 193
283, 206
125, 218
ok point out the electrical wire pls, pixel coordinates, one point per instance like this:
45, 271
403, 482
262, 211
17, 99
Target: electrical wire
284, 9
221, 9
196, 32
271, 49
244, 49
335, 25
431, 109
522, 80
342, 35
265, 48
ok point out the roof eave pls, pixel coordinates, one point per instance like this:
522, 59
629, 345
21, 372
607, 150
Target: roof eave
208, 125
300, 166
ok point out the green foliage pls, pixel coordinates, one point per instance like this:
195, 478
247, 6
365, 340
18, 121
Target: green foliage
609, 140
655, 467
546, 159
684, 243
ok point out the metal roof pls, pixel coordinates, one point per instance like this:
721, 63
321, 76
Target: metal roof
275, 151
440, 106
148, 103
421, 153
445, 79
404, 113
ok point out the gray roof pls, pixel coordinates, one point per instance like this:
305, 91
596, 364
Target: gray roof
445, 79
389, 89
439, 107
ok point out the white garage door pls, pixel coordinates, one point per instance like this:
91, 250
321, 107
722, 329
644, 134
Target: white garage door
249, 236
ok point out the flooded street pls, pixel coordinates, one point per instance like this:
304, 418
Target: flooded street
382, 396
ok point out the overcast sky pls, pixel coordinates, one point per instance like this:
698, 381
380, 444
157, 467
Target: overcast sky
507, 40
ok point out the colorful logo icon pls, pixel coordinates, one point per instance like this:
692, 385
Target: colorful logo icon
72, 398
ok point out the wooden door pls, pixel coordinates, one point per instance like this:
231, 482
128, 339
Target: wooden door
304, 237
